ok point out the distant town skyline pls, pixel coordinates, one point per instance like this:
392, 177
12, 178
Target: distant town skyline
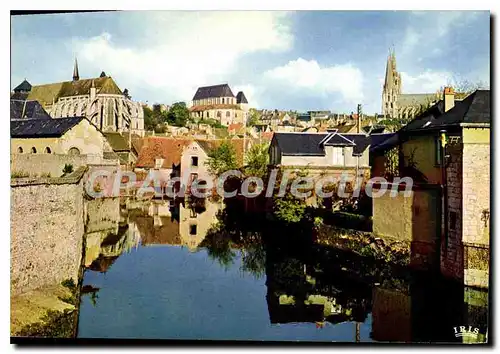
307, 60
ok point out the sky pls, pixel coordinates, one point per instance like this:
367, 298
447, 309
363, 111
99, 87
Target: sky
303, 60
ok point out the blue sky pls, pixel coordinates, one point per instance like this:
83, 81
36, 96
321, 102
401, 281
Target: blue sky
302, 60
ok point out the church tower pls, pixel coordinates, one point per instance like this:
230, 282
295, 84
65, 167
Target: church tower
392, 87
76, 76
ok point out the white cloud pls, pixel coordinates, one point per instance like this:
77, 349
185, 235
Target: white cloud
184, 50
309, 77
426, 82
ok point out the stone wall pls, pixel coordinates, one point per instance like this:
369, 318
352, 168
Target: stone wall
465, 254
413, 219
53, 164
452, 250
47, 230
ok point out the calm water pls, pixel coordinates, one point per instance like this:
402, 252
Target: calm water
151, 277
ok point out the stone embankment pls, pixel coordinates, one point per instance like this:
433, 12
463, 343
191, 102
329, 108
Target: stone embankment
47, 241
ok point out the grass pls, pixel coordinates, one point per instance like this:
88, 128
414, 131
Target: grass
55, 324
19, 174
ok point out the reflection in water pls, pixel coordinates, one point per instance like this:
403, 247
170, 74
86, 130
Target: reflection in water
243, 284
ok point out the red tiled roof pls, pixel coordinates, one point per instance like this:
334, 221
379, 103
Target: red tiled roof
169, 149
208, 145
234, 126
267, 135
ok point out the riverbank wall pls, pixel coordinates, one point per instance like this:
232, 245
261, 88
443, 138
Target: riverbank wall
47, 240
47, 228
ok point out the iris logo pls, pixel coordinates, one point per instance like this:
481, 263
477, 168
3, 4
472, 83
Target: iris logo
463, 331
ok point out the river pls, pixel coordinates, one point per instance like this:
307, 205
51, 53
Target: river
154, 273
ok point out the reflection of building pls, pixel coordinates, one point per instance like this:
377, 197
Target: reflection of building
193, 225
293, 295
428, 312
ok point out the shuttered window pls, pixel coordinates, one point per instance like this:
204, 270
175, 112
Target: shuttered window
338, 156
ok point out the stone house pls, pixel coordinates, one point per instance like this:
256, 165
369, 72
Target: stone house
219, 103
196, 154
162, 155
65, 136
319, 152
447, 150
98, 99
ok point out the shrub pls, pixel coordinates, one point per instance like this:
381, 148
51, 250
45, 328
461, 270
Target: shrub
351, 221
19, 174
68, 168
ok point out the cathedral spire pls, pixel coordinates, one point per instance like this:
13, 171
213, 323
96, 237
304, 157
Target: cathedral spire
76, 76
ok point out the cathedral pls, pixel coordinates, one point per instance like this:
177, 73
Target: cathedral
99, 99
396, 104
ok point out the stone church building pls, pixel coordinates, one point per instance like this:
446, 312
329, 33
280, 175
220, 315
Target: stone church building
218, 102
99, 99
396, 104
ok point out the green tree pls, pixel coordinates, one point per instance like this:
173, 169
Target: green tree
257, 160
178, 114
222, 159
289, 209
253, 118
149, 119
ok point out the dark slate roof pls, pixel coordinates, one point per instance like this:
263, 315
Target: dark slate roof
240, 97
23, 96
382, 141
338, 140
300, 144
24, 86
475, 108
222, 90
42, 128
21, 109
361, 142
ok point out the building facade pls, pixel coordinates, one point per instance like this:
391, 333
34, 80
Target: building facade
219, 103
64, 136
99, 99
447, 150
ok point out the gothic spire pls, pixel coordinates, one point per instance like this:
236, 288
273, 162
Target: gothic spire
390, 71
76, 76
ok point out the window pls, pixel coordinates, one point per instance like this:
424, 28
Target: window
158, 163
20, 150
110, 114
228, 114
194, 161
338, 156
48, 151
222, 100
219, 114
192, 229
453, 220
33, 150
438, 151
208, 114
73, 151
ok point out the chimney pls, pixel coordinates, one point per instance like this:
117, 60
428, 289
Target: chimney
449, 98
